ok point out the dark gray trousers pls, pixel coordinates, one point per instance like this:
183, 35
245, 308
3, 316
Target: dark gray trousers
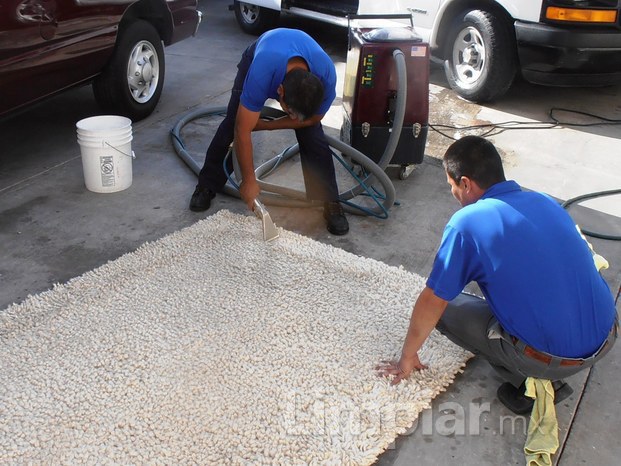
469, 323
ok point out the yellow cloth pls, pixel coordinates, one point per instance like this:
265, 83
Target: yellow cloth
600, 261
542, 440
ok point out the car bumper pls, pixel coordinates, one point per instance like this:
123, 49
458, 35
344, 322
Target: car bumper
554, 56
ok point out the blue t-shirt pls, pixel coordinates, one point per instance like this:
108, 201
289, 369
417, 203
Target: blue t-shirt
273, 51
533, 267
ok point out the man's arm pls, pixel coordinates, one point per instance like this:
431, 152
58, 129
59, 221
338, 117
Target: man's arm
427, 311
245, 122
286, 122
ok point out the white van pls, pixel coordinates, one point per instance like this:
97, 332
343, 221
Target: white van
485, 43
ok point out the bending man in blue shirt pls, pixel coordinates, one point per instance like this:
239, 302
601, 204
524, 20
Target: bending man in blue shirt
289, 66
547, 312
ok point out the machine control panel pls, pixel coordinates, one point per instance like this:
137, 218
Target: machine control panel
368, 70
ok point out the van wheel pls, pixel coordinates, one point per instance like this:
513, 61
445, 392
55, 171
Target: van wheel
481, 57
131, 83
253, 19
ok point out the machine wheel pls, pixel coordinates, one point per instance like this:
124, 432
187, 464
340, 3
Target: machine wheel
254, 19
405, 171
131, 83
481, 56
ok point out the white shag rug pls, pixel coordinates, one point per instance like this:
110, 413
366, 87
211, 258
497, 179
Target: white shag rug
211, 346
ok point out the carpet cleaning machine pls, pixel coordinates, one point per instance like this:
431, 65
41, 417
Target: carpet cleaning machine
386, 109
371, 90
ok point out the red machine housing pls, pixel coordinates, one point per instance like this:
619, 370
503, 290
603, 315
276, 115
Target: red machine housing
370, 93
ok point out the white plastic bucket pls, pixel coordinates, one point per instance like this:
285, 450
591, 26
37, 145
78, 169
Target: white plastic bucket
106, 147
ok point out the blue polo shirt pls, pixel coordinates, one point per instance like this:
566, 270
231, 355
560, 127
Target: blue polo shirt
533, 267
273, 51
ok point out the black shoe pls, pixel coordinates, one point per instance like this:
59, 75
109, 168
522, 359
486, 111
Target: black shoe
201, 199
334, 215
516, 400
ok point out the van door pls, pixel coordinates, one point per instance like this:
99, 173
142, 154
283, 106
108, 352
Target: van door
424, 14
272, 4
340, 8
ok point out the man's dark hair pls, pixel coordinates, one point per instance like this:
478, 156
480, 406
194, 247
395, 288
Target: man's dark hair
303, 93
475, 158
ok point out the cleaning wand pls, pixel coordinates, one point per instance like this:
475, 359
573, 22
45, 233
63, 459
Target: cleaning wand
270, 232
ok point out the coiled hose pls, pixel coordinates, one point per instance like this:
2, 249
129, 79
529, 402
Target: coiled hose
281, 196
584, 197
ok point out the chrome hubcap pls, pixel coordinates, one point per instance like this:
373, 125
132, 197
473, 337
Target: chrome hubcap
468, 56
250, 13
143, 72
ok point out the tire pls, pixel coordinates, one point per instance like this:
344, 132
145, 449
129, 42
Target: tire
253, 19
131, 84
481, 56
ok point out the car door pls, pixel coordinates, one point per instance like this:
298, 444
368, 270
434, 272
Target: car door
83, 39
23, 25
49, 45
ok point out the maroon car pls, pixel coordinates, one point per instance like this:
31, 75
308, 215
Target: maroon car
47, 46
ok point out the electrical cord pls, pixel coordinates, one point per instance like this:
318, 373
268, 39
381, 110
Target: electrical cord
603, 120
492, 129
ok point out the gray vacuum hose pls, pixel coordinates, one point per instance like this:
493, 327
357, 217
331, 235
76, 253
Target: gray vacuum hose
281, 196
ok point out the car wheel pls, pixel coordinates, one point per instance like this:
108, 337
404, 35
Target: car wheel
131, 83
254, 19
481, 57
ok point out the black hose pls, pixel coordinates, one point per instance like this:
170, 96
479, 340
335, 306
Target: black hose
584, 197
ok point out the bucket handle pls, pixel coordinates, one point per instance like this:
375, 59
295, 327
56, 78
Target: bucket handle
133, 155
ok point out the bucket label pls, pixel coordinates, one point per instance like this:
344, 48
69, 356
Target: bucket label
106, 164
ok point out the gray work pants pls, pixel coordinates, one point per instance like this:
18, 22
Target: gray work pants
469, 323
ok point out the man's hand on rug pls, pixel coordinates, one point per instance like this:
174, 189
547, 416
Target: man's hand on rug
400, 369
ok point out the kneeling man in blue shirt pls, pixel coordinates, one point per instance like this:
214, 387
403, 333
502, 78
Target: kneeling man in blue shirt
547, 312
